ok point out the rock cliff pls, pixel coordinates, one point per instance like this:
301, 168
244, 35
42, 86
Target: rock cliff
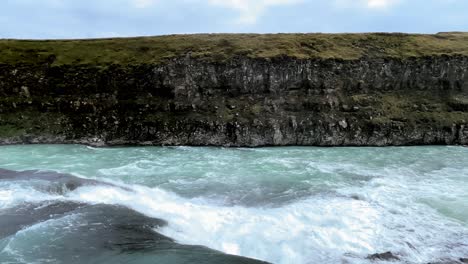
239, 100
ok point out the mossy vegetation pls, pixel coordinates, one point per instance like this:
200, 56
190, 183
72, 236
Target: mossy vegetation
219, 47
415, 108
9, 130
29, 122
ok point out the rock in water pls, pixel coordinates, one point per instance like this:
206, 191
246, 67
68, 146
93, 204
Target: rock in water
80, 233
55, 182
387, 256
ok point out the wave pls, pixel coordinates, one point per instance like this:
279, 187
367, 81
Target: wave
311, 230
322, 228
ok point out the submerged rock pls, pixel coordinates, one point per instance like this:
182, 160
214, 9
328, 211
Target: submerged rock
75, 232
82, 233
55, 182
448, 262
387, 256
15, 219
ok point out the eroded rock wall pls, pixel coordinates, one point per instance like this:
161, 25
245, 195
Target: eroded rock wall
241, 102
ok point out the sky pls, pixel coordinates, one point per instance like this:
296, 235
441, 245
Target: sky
57, 19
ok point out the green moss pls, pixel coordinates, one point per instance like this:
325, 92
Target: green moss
219, 47
256, 109
8, 131
30, 123
362, 100
416, 108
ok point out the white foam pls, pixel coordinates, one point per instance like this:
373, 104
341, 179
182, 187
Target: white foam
319, 229
410, 201
15, 193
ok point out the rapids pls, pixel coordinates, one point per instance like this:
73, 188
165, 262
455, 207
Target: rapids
78, 204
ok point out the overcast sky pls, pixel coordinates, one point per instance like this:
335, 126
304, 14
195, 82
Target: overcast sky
110, 18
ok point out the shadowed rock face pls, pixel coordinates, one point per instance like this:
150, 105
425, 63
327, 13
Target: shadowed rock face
240, 102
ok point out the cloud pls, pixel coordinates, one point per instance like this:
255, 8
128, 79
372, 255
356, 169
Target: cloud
370, 4
380, 3
251, 10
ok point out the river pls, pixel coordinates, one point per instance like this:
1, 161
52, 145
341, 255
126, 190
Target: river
210, 205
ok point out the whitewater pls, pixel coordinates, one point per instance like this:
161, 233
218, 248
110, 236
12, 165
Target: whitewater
279, 205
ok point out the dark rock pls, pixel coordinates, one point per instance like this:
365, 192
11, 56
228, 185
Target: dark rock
375, 96
15, 219
387, 256
55, 182
111, 233
445, 262
82, 233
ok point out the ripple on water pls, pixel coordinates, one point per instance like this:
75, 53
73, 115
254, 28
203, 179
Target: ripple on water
284, 205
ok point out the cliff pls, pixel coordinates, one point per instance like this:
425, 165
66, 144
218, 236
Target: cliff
237, 90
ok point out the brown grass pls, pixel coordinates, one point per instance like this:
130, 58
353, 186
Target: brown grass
219, 47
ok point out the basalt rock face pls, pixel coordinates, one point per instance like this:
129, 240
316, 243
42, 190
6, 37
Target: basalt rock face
239, 102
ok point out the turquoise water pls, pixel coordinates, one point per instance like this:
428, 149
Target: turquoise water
281, 205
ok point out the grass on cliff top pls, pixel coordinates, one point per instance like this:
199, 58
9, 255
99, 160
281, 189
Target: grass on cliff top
219, 47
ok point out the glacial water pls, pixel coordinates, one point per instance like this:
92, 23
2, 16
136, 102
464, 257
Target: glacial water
280, 205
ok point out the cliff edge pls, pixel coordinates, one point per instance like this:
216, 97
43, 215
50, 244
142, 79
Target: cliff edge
237, 90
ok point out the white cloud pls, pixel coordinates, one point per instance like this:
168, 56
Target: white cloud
380, 3
370, 4
250, 10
